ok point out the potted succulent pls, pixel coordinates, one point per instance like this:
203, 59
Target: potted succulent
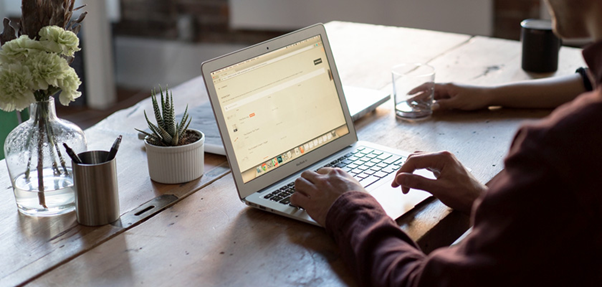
175, 153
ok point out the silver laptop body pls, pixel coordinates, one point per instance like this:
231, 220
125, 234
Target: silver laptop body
281, 110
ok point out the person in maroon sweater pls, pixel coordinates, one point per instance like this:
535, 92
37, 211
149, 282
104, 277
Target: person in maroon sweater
539, 223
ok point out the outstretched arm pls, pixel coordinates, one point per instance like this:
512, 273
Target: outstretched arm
540, 93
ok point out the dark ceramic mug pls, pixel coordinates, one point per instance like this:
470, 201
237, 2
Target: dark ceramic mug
540, 46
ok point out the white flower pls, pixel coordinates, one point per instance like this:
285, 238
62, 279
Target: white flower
33, 70
15, 87
17, 49
46, 69
69, 85
59, 40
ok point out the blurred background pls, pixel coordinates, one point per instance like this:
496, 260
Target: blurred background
131, 46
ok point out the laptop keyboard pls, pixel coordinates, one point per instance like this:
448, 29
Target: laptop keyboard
364, 164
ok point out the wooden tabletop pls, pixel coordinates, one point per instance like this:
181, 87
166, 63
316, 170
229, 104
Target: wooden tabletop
199, 233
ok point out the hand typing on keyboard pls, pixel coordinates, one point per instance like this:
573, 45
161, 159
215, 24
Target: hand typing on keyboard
317, 191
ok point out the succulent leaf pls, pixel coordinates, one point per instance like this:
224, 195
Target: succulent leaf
167, 131
153, 127
186, 127
175, 139
151, 138
156, 110
170, 120
164, 108
167, 138
183, 125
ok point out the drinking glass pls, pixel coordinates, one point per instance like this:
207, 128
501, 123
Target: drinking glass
413, 90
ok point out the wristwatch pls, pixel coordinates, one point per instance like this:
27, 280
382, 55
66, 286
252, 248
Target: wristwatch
586, 81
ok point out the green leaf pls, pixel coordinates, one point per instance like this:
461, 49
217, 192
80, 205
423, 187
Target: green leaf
175, 140
167, 138
156, 110
167, 131
151, 137
171, 125
152, 127
184, 122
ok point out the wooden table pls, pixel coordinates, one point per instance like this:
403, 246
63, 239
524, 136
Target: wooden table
199, 233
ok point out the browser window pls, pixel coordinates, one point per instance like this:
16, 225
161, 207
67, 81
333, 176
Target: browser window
279, 106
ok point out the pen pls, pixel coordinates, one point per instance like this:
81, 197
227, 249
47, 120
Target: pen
114, 149
72, 154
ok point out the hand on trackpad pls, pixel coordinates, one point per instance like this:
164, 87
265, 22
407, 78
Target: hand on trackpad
396, 203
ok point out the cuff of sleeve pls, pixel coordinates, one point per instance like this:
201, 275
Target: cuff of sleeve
344, 211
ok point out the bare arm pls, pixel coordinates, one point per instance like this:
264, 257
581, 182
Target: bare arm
540, 93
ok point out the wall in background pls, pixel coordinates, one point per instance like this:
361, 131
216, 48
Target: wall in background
509, 13
252, 21
13, 7
164, 41
459, 16
146, 63
197, 30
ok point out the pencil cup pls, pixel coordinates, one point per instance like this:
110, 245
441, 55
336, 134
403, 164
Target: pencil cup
96, 193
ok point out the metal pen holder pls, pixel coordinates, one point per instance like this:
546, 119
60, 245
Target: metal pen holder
96, 191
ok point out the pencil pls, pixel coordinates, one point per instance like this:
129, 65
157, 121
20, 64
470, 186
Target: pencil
72, 154
114, 149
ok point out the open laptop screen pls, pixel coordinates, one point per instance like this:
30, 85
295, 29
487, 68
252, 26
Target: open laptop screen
279, 106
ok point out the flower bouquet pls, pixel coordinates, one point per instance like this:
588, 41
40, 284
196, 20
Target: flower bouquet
34, 66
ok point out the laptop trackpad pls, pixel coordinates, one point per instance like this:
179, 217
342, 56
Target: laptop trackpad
393, 201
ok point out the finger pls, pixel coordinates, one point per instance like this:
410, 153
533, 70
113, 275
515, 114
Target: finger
324, 170
442, 91
423, 160
419, 161
300, 200
309, 176
302, 185
435, 171
410, 180
417, 152
420, 95
422, 87
444, 104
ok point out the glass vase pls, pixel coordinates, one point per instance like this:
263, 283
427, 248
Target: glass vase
38, 165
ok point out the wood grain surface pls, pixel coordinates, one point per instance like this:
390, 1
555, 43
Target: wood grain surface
209, 238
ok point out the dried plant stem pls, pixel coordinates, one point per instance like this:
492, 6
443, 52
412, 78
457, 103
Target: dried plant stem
44, 131
29, 147
52, 146
41, 127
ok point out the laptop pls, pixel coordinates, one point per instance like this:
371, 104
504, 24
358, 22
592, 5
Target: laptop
281, 109
361, 101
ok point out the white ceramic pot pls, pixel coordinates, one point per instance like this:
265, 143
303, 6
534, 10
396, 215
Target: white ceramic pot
176, 164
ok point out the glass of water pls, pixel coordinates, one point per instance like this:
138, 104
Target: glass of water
413, 90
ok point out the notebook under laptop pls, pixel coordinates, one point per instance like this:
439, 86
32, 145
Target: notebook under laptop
281, 110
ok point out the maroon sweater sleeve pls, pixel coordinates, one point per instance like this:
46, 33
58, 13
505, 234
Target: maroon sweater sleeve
538, 225
371, 243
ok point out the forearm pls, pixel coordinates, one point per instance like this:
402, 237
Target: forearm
378, 252
541, 93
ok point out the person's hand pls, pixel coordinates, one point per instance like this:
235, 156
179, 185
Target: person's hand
462, 97
317, 191
454, 185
